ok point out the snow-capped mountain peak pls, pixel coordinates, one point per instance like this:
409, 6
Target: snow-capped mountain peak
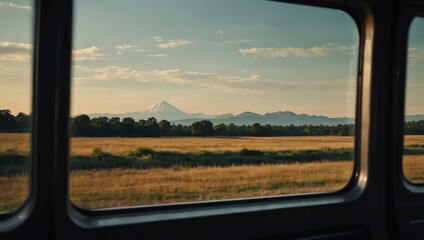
162, 107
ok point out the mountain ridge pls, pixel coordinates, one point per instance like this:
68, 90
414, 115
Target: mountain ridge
165, 110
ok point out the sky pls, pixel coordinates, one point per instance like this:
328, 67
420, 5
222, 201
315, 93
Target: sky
214, 57
415, 72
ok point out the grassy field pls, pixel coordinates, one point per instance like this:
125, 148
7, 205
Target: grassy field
133, 171
122, 146
126, 187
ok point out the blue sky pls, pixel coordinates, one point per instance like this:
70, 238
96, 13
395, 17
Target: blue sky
201, 56
415, 72
15, 55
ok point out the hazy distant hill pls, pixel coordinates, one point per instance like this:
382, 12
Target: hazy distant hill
417, 117
164, 110
276, 118
161, 110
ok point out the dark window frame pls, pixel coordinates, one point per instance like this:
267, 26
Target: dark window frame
369, 202
409, 16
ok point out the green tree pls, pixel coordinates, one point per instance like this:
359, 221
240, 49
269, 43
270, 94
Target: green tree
116, 128
257, 130
220, 130
81, 126
23, 121
129, 125
153, 126
7, 120
142, 129
101, 126
165, 127
202, 128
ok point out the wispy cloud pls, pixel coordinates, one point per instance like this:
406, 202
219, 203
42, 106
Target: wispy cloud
158, 39
108, 73
325, 50
91, 53
10, 51
171, 75
159, 55
416, 54
4, 4
122, 48
245, 83
125, 47
222, 82
175, 43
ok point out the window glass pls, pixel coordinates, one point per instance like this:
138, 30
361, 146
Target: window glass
413, 152
184, 101
15, 101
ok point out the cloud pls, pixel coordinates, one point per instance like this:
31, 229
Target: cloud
158, 55
125, 47
91, 53
243, 84
325, 50
415, 54
10, 51
224, 82
4, 4
108, 73
158, 39
175, 43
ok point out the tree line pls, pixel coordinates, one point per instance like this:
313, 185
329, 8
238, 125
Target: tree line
84, 126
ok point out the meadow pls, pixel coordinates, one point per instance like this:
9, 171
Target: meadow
116, 172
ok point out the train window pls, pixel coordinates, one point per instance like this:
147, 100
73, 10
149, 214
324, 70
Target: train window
173, 104
413, 153
15, 102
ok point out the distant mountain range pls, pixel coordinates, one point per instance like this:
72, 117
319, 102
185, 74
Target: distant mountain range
161, 110
164, 110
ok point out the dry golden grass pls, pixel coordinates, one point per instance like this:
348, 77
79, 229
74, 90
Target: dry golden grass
13, 191
19, 142
414, 140
122, 146
413, 168
128, 187
413, 165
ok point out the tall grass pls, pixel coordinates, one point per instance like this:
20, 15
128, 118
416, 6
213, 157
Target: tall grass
13, 191
127, 187
413, 168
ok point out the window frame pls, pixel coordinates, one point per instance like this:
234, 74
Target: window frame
408, 197
218, 207
409, 16
49, 213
